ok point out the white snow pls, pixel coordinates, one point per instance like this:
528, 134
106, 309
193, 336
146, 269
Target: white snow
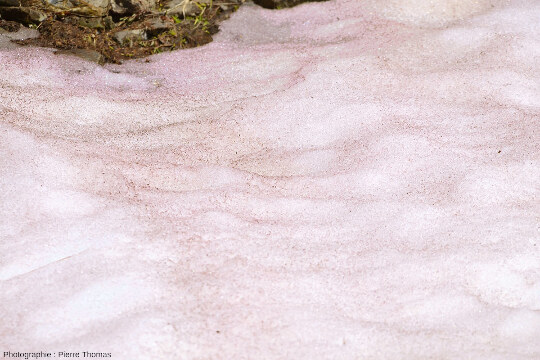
340, 180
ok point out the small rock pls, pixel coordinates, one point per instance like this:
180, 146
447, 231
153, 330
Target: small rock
93, 8
102, 4
108, 22
22, 14
126, 36
91, 22
129, 7
156, 26
9, 26
86, 54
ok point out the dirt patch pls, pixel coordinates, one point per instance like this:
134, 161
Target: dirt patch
111, 31
280, 4
10, 26
132, 37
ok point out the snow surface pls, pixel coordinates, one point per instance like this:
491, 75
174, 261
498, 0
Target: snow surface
340, 180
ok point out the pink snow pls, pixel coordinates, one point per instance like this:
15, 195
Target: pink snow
340, 180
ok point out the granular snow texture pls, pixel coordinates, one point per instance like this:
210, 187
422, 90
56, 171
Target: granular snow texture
339, 180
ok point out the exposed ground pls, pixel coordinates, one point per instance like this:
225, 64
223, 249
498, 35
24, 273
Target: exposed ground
110, 36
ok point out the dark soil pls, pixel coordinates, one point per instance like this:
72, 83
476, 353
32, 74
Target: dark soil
179, 34
10, 26
280, 4
99, 41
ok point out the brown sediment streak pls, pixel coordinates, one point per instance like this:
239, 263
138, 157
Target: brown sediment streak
337, 180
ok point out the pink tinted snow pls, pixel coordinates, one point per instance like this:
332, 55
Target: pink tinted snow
340, 180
